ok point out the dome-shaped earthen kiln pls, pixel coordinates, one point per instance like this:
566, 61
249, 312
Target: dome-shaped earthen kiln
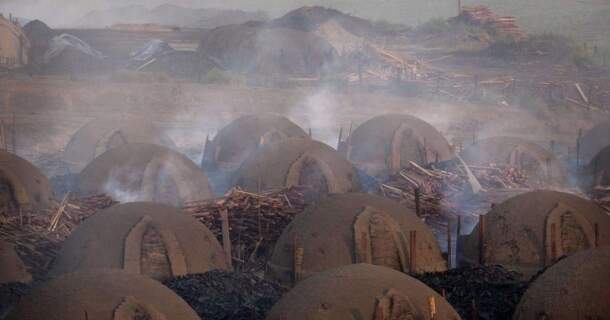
143, 238
103, 134
297, 161
350, 228
540, 165
531, 231
597, 173
386, 143
361, 291
235, 142
145, 172
102, 295
12, 268
593, 141
22, 186
576, 288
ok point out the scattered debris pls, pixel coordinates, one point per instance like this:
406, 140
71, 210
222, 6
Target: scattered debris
227, 295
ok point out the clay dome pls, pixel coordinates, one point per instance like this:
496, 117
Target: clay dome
102, 295
597, 173
541, 165
350, 228
593, 141
235, 142
145, 238
103, 134
12, 268
386, 143
361, 291
575, 288
145, 172
22, 186
297, 161
531, 231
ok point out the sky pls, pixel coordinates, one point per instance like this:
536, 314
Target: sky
63, 12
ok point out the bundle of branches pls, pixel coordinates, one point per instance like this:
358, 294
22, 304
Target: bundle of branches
496, 176
37, 236
255, 220
482, 292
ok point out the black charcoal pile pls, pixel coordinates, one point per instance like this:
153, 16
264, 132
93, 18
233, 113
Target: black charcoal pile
10, 293
491, 291
222, 295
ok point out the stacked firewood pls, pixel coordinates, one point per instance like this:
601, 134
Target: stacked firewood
439, 196
255, 220
482, 15
37, 236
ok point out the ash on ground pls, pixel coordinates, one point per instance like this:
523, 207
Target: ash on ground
492, 291
222, 295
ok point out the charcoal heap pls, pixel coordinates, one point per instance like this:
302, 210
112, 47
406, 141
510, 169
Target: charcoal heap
256, 221
226, 295
492, 292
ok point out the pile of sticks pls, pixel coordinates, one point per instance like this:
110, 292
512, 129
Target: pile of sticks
438, 195
254, 221
37, 236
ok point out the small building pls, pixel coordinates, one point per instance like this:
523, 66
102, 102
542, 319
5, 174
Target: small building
236, 141
350, 228
102, 134
102, 295
364, 292
14, 44
143, 238
576, 288
145, 172
298, 162
534, 230
385, 144
22, 186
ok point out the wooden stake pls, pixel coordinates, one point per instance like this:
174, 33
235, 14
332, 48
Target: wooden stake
596, 239
449, 248
297, 260
340, 139
413, 251
482, 228
432, 307
553, 243
226, 237
458, 233
578, 148
417, 202
310, 135
474, 315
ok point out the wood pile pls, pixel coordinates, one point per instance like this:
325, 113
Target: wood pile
255, 220
482, 15
37, 236
444, 194
601, 195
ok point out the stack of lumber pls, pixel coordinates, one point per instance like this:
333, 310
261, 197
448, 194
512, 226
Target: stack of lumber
256, 221
482, 15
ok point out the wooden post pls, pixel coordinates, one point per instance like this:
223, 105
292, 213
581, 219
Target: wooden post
482, 228
449, 248
474, 315
226, 237
553, 243
596, 239
340, 139
578, 148
297, 260
413, 251
458, 233
417, 202
310, 135
432, 307
459, 7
